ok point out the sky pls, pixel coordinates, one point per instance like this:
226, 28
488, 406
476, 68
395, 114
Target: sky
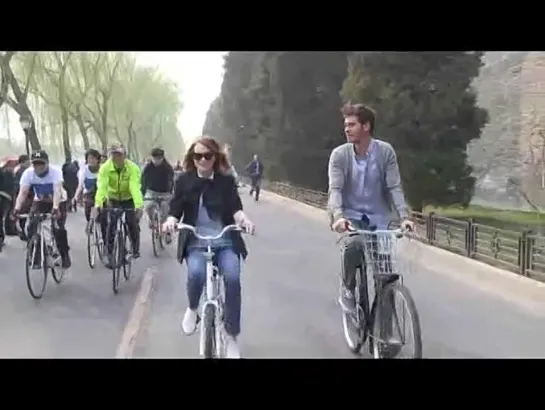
199, 76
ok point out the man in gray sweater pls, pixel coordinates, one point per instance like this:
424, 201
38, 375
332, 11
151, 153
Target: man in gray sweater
364, 189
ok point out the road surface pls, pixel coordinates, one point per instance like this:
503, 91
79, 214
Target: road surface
81, 317
290, 281
290, 289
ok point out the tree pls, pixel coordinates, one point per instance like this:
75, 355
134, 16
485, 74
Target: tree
16, 92
284, 107
427, 109
98, 98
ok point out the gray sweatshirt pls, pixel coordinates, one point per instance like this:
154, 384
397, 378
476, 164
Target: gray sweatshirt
341, 183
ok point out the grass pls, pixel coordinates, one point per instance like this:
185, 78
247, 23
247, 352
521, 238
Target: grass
500, 218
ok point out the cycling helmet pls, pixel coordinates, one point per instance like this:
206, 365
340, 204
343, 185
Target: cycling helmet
157, 152
93, 153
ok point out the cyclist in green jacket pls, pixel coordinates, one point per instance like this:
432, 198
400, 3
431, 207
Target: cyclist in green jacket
118, 185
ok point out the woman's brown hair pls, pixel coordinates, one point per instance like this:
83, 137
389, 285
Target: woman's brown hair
220, 163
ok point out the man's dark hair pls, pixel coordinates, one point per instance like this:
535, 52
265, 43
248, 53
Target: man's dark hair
22, 158
364, 114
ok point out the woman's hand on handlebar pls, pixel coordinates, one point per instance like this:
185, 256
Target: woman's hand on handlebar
170, 224
248, 226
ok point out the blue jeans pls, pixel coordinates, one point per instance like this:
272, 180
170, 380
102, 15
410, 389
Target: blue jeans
229, 266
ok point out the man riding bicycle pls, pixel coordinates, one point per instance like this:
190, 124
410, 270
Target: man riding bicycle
87, 178
157, 182
364, 189
118, 185
49, 197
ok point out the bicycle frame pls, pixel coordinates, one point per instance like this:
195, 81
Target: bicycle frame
45, 232
213, 290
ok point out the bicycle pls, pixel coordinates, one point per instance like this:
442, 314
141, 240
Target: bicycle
42, 241
378, 320
212, 334
121, 257
157, 236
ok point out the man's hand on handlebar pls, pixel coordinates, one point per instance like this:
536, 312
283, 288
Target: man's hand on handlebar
408, 225
340, 225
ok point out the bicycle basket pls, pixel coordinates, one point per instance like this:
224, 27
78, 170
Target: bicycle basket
380, 250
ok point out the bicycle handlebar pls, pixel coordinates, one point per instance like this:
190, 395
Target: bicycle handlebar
191, 228
39, 215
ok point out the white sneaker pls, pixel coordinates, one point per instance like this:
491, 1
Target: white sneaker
189, 322
232, 350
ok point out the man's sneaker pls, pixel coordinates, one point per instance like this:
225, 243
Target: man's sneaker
168, 238
189, 322
136, 255
347, 301
232, 350
66, 261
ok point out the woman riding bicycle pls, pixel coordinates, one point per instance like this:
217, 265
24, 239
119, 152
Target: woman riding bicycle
208, 199
87, 181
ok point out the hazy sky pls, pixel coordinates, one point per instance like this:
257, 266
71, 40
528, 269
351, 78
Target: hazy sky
199, 76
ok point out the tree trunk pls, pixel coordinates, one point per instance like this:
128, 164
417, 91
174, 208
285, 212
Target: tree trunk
82, 129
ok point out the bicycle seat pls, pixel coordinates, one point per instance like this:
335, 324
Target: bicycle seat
386, 278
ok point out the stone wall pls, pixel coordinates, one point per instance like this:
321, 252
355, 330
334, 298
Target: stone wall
511, 86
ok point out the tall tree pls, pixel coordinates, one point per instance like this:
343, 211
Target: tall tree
427, 109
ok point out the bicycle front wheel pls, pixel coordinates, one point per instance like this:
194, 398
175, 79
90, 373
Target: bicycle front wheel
155, 235
355, 323
209, 329
117, 261
36, 279
393, 326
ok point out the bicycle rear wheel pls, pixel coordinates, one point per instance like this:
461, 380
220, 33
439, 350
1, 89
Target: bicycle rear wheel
209, 329
36, 290
117, 260
395, 328
91, 244
355, 323
58, 274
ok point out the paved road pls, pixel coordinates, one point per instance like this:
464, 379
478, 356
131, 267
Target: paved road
78, 318
289, 300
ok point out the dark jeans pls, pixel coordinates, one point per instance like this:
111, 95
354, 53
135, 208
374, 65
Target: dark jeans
256, 186
108, 229
59, 230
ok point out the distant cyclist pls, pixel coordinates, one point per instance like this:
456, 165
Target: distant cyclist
87, 178
118, 185
157, 182
255, 169
46, 182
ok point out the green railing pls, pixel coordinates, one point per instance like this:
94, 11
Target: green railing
520, 252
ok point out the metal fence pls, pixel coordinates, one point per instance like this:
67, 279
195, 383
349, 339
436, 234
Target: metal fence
519, 252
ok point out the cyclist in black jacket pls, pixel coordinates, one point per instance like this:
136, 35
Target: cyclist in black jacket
157, 181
